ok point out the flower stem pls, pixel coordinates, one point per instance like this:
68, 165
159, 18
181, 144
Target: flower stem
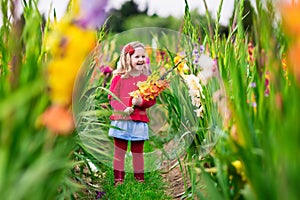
170, 70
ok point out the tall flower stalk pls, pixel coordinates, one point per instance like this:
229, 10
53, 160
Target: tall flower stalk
68, 52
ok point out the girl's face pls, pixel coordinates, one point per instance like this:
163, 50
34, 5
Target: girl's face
138, 59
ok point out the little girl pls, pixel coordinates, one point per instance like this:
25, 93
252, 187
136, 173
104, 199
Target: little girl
129, 113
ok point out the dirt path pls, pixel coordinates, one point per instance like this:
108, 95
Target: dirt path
176, 180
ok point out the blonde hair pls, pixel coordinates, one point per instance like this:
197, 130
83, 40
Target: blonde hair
124, 63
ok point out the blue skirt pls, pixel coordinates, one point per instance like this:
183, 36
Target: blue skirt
130, 130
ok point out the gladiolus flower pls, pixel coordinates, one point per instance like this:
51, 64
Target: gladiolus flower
199, 112
150, 88
66, 62
148, 50
208, 68
92, 13
239, 168
68, 52
106, 69
58, 120
294, 59
182, 66
291, 23
291, 17
250, 52
267, 84
195, 92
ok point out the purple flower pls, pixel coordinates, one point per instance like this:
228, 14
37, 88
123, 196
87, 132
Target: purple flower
253, 84
92, 13
195, 61
195, 52
199, 40
201, 48
100, 194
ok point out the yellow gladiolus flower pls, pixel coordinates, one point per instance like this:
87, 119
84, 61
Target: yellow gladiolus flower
182, 67
68, 52
239, 168
69, 43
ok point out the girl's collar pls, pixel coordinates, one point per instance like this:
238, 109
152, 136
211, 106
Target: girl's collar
131, 76
134, 75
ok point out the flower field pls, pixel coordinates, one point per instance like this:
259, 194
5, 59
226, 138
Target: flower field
226, 113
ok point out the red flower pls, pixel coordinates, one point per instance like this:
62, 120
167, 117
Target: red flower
129, 49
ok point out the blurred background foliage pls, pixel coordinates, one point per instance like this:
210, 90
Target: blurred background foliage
129, 16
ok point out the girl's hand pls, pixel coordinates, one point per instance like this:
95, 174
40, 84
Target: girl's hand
128, 110
137, 101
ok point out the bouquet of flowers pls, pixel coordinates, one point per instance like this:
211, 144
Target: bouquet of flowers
150, 88
154, 85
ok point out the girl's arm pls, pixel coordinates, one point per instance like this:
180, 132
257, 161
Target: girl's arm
114, 88
146, 103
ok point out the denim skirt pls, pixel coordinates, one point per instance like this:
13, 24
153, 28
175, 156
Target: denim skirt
129, 130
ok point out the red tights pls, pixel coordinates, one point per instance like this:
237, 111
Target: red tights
137, 149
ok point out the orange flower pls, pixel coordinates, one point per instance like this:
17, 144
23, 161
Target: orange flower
294, 59
291, 17
283, 63
160, 56
250, 52
58, 120
291, 23
150, 88
149, 50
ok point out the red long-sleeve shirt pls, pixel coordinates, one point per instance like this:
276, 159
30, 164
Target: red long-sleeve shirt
121, 87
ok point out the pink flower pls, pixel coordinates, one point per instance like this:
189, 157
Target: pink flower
105, 69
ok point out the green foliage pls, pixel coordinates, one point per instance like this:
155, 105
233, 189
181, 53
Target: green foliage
141, 21
119, 17
248, 16
33, 163
265, 124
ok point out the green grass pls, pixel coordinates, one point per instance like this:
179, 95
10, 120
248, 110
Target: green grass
153, 187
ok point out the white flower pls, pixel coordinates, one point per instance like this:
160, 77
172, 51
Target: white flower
196, 101
199, 112
206, 62
208, 68
195, 92
195, 88
193, 82
204, 76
